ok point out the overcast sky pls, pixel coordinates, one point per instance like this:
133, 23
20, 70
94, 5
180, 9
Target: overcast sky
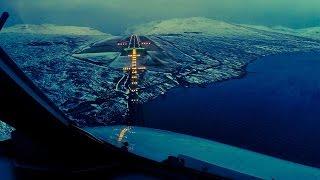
114, 16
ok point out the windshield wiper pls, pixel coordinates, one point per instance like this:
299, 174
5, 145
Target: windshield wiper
3, 19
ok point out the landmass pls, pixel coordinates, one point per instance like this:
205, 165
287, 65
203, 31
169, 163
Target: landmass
79, 68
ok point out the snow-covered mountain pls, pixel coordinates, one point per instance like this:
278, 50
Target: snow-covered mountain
191, 25
216, 28
52, 29
311, 32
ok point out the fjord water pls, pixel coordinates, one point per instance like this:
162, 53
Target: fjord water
6, 169
274, 109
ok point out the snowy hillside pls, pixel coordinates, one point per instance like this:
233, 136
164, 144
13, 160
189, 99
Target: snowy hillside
312, 32
52, 29
69, 82
191, 25
216, 28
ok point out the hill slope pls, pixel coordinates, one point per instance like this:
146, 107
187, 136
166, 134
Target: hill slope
52, 29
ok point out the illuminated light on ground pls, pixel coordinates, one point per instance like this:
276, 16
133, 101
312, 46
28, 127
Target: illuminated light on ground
123, 133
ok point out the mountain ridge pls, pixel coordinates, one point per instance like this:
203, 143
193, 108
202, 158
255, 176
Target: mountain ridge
215, 27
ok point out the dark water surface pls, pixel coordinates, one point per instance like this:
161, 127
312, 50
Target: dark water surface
274, 110
6, 169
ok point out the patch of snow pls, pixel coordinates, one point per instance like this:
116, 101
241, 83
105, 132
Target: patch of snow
106, 55
5, 131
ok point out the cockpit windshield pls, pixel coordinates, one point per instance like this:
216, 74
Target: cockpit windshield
161, 74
